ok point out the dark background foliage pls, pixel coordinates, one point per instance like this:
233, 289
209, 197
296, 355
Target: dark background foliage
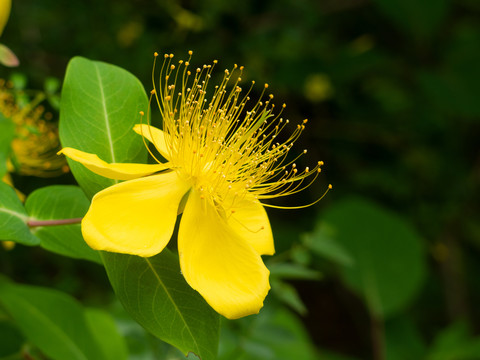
391, 89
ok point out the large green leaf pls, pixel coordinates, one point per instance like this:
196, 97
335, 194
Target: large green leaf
52, 321
100, 104
388, 258
61, 202
156, 295
7, 132
13, 218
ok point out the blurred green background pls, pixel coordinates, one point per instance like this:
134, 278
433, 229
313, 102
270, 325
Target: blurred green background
386, 266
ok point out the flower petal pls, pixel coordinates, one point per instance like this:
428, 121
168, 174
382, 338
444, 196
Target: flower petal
226, 270
155, 136
135, 217
248, 218
112, 171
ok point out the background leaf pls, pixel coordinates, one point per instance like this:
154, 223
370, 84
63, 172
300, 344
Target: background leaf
101, 323
7, 132
156, 295
11, 340
100, 104
388, 266
418, 17
51, 320
13, 218
274, 334
61, 202
455, 342
403, 340
321, 243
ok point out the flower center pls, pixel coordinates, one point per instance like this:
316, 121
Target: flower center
226, 147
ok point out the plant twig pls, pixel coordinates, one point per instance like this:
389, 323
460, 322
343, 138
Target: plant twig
35, 223
377, 331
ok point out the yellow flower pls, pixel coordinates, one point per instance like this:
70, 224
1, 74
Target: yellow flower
222, 161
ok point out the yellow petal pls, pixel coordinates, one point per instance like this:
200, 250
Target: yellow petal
5, 6
135, 217
248, 218
220, 265
122, 171
155, 136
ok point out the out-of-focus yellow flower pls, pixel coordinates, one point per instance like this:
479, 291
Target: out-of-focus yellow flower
129, 33
362, 44
36, 142
318, 87
8, 245
223, 161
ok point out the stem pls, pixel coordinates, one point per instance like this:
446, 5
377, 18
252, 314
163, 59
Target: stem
378, 337
34, 223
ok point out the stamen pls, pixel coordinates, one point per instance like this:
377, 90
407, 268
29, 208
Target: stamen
222, 139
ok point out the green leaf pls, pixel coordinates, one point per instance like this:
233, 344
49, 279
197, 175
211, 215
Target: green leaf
293, 271
100, 104
389, 263
7, 132
419, 18
101, 323
287, 294
156, 295
455, 342
454, 87
13, 218
11, 340
323, 243
403, 340
274, 334
52, 321
55, 203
